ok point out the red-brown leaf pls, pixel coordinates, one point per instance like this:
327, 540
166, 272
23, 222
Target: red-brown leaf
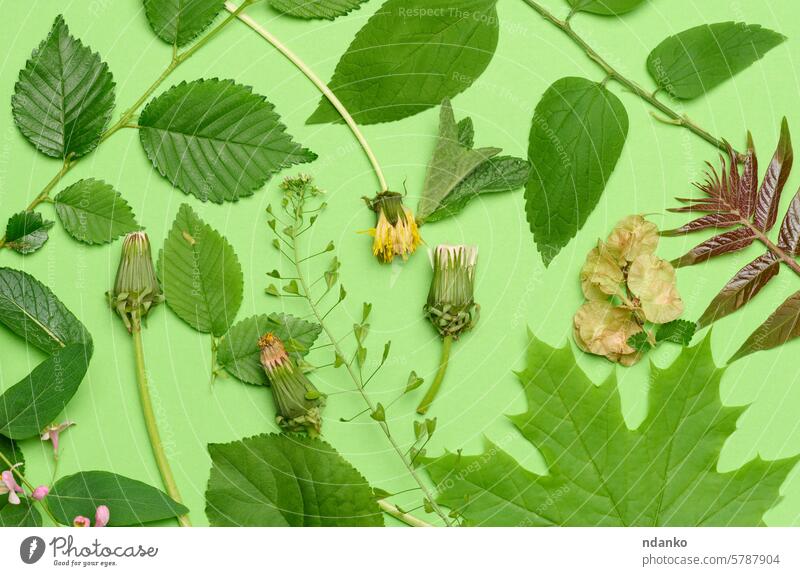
720, 244
781, 327
789, 238
717, 220
742, 288
748, 184
769, 196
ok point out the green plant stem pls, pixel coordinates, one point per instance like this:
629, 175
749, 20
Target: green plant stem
404, 517
673, 117
150, 422
30, 487
447, 343
372, 406
321, 86
125, 118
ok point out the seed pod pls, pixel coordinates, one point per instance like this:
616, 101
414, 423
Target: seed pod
451, 307
136, 289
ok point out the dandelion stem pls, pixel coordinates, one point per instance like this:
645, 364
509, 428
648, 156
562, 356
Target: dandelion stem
150, 422
447, 343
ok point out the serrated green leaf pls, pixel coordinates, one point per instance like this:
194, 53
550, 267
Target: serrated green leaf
579, 129
31, 310
92, 212
450, 165
678, 332
130, 502
316, 9
600, 473
64, 97
605, 7
238, 350
693, 62
498, 174
22, 515
216, 139
35, 401
277, 480
411, 55
200, 274
26, 232
178, 22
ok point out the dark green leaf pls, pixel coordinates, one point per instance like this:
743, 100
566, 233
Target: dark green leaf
179, 21
605, 7
26, 232
34, 402
600, 473
22, 515
200, 274
466, 133
12, 453
411, 55
781, 327
579, 129
30, 310
64, 97
94, 213
278, 480
130, 502
216, 139
678, 332
693, 62
238, 350
323, 9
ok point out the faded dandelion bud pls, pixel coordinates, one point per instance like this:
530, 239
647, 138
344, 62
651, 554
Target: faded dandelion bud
396, 232
297, 399
451, 307
136, 288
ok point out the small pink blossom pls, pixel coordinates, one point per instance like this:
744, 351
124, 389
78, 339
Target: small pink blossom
81, 522
40, 493
51, 433
9, 485
101, 516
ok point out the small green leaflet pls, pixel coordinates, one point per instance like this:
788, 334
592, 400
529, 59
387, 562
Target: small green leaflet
693, 62
26, 232
216, 139
92, 212
278, 480
178, 22
238, 350
600, 473
131, 502
200, 274
605, 7
678, 332
327, 9
64, 97
579, 129
411, 55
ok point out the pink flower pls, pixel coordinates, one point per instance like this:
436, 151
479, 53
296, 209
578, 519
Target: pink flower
51, 433
81, 522
101, 516
9, 485
40, 493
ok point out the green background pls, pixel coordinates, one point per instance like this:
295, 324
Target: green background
513, 287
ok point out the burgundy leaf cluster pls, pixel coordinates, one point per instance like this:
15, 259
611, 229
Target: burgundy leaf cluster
734, 201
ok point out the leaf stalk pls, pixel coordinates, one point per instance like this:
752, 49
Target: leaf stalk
447, 343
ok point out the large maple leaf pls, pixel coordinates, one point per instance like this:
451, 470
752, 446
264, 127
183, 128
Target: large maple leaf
601, 473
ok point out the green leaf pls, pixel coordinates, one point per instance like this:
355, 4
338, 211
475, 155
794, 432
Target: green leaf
94, 213
26, 232
379, 414
605, 7
178, 22
130, 502
310, 9
499, 174
22, 515
34, 402
12, 453
278, 480
466, 133
30, 310
238, 350
579, 129
413, 383
782, 326
200, 274
600, 473
216, 139
64, 97
411, 55
678, 332
693, 62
